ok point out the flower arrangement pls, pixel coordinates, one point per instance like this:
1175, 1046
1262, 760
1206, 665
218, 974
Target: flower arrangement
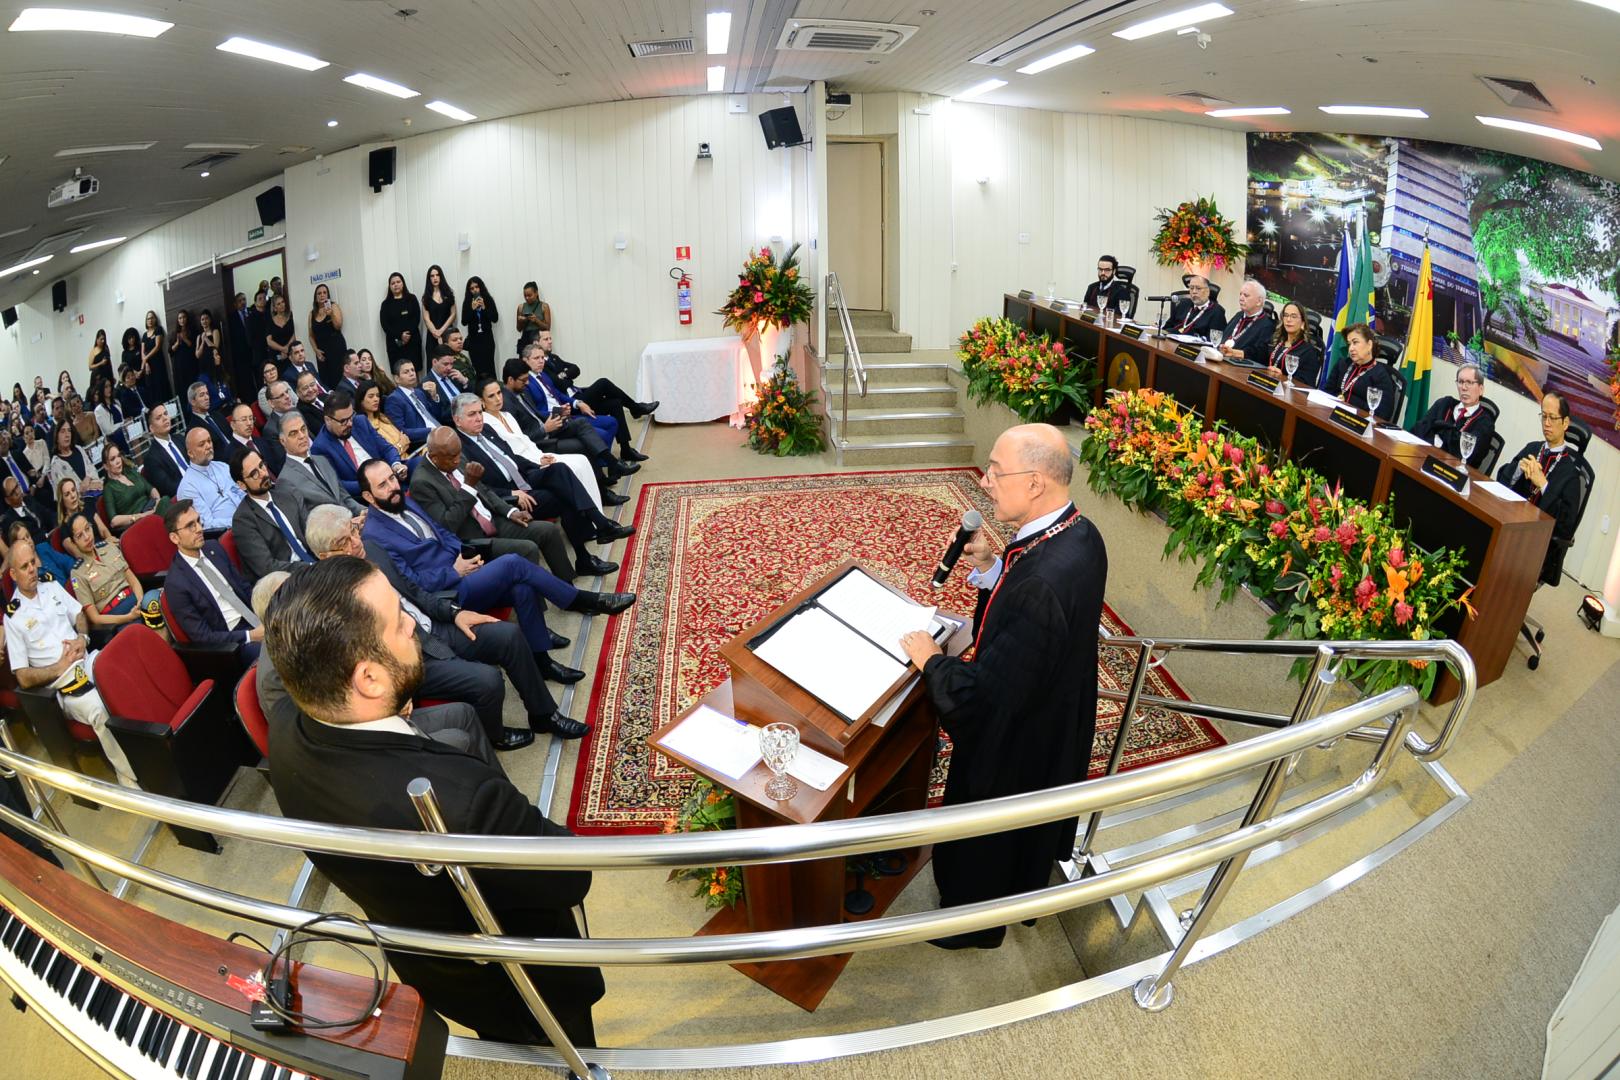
1614, 383
781, 420
768, 293
1195, 234
1031, 374
708, 808
1334, 567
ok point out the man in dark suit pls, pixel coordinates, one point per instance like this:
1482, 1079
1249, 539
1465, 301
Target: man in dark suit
410, 407
1022, 713
307, 480
1450, 417
130, 400
349, 441
1247, 339
210, 602
451, 493
240, 336
352, 373
431, 558
1197, 314
298, 365
1545, 473
240, 426
310, 399
38, 521
557, 434
198, 416
1108, 292
165, 461
283, 403
30, 489
603, 396
352, 661
263, 522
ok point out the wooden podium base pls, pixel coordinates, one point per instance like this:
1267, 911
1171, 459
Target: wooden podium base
806, 982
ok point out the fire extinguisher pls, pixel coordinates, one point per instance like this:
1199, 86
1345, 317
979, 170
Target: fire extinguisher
683, 295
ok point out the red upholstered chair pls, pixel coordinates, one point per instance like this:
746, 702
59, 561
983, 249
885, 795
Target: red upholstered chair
148, 550
177, 733
227, 540
254, 722
220, 663
102, 513
258, 418
64, 740
56, 540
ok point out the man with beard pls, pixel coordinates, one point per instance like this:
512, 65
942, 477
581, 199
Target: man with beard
1107, 293
351, 659
263, 522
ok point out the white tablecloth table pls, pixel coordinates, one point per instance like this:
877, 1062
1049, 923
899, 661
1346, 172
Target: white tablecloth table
696, 379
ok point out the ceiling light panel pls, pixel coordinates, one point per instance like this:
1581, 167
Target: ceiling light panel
1540, 129
115, 148
30, 264
381, 86
1243, 110
719, 32
109, 242
1374, 110
1174, 21
717, 78
94, 22
223, 145
1062, 56
443, 108
978, 89
275, 54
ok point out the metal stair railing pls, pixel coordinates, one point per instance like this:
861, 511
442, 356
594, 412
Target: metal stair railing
852, 364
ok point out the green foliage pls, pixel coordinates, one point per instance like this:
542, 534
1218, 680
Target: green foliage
782, 420
1030, 374
706, 809
768, 292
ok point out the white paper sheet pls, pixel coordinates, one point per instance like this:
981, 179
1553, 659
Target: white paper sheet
1402, 435
843, 670
876, 612
1188, 339
1210, 352
716, 741
816, 769
1322, 397
1501, 491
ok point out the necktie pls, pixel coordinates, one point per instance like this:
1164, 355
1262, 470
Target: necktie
506, 464
174, 452
414, 523
416, 613
229, 601
421, 409
298, 549
348, 448
1460, 409
17, 474
480, 515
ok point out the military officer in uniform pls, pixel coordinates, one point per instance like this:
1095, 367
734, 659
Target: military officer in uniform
46, 646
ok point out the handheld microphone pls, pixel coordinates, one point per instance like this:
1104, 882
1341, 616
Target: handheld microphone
1160, 299
972, 522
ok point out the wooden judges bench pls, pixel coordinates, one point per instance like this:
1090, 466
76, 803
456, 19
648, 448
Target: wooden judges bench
1502, 542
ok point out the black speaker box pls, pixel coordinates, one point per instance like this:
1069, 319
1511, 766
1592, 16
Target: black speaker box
272, 205
781, 127
381, 171
9, 316
59, 295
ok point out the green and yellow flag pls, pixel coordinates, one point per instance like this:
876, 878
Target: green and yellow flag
1420, 345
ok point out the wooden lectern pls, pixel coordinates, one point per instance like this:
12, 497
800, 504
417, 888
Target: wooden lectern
887, 768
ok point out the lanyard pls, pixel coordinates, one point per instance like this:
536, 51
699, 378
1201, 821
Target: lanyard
1470, 421
1193, 316
1281, 352
1006, 568
1350, 380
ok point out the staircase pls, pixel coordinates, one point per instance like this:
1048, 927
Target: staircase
909, 415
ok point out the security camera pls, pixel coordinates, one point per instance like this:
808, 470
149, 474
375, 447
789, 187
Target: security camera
1203, 40
703, 152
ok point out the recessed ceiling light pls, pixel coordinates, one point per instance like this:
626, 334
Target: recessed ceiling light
258, 50
109, 242
331, 123
444, 108
36, 273
115, 148
1257, 110
1541, 129
26, 265
719, 36
1173, 21
717, 78
382, 86
203, 174
1062, 56
14, 232
1374, 110
980, 88
96, 22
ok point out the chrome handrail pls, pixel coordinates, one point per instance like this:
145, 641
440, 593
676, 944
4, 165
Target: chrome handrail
852, 357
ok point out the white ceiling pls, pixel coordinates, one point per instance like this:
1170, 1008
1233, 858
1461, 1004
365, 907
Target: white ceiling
505, 57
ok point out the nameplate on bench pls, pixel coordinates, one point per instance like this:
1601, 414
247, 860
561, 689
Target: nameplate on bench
1187, 352
1088, 316
1131, 331
1450, 475
1264, 381
1349, 420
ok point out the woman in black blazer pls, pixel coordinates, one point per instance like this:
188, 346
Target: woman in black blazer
1351, 381
1294, 340
401, 318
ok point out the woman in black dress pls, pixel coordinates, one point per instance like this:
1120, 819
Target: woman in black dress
100, 357
64, 384
130, 351
210, 366
19, 399
438, 307
479, 316
279, 331
326, 327
401, 318
154, 369
183, 349
1362, 372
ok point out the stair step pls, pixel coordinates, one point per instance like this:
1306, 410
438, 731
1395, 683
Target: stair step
874, 340
867, 319
902, 450
894, 398
890, 372
903, 421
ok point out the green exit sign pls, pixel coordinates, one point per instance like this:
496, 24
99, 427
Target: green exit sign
256, 234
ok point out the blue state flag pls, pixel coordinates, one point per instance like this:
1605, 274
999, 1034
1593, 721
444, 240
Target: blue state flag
1341, 304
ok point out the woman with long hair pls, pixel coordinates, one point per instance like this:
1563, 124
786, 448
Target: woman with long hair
129, 350
82, 421
18, 398
478, 316
100, 356
70, 462
368, 402
59, 564
36, 451
377, 373
154, 369
438, 306
326, 333
269, 375
64, 381
183, 348
109, 416
401, 318
70, 500
102, 581
1293, 341
279, 330
129, 497
210, 363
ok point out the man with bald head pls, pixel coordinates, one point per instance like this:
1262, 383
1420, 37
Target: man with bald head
1022, 712
207, 482
1247, 339
1198, 314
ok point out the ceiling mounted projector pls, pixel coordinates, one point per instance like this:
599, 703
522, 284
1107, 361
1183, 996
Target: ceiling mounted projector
75, 190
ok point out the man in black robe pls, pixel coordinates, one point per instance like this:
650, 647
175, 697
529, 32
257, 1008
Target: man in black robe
1022, 712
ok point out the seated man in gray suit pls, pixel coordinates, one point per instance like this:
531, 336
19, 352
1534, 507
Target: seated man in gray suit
308, 480
266, 538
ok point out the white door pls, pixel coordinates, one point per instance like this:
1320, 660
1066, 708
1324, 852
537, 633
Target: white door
855, 220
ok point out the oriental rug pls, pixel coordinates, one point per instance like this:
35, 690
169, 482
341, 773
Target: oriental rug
712, 557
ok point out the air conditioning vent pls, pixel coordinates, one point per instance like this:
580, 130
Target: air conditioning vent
208, 161
285, 150
843, 35
1519, 93
681, 46
1198, 97
1051, 32
53, 245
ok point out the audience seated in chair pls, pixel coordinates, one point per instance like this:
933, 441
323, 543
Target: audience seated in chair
1450, 417
165, 461
348, 442
410, 407
243, 437
207, 484
103, 583
262, 525
307, 480
208, 599
602, 397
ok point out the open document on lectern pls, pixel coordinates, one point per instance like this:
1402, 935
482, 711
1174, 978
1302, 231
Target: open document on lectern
843, 645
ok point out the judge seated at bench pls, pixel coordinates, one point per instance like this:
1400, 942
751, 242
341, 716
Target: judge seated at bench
1248, 336
1354, 378
1196, 313
1543, 473
1450, 417
1108, 292
1295, 341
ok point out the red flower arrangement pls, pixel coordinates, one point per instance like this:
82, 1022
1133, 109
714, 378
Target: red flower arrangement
1195, 234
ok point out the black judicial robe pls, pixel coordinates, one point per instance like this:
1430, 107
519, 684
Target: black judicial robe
1022, 713
1441, 423
1187, 319
1561, 501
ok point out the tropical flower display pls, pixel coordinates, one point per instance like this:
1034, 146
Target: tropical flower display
1614, 385
708, 808
1333, 567
1195, 236
1029, 373
768, 293
782, 420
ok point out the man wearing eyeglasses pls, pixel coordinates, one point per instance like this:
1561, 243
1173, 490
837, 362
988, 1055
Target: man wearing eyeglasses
1546, 474
1022, 712
1107, 292
1451, 417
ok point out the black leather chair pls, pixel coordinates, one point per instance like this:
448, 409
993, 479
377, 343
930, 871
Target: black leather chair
1214, 289
1487, 464
1533, 632
1578, 436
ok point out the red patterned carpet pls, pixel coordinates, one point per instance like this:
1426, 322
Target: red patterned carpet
712, 557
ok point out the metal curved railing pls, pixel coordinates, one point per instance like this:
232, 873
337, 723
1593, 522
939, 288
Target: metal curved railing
852, 358
1388, 718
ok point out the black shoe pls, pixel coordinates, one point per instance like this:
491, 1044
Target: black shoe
602, 603
512, 739
557, 673
978, 939
560, 726
613, 498
613, 531
638, 409
629, 454
623, 468
558, 641
590, 565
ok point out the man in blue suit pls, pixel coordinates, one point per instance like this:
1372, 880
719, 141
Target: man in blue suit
431, 558
409, 406
349, 441
549, 397
210, 602
199, 415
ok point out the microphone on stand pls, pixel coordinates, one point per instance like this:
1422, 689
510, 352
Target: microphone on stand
972, 522
1158, 331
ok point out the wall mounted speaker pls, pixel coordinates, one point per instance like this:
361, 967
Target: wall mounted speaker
381, 171
781, 127
9, 317
59, 295
272, 205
